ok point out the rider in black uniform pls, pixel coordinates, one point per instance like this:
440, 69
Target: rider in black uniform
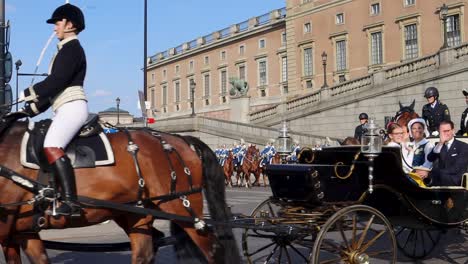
464, 117
435, 111
361, 130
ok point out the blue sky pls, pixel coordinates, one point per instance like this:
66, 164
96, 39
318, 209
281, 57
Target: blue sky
113, 38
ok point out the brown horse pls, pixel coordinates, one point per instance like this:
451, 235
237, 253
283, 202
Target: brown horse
249, 165
228, 168
276, 159
158, 155
405, 114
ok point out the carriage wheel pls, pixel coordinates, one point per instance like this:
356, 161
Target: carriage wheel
355, 234
417, 243
269, 247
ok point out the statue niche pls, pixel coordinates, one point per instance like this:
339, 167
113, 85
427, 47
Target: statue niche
239, 87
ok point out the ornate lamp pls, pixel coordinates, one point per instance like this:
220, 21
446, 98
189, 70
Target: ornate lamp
283, 142
371, 147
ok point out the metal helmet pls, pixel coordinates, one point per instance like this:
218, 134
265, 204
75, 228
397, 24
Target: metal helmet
465, 92
431, 92
71, 13
363, 116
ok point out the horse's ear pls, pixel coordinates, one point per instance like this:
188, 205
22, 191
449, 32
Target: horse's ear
412, 104
401, 106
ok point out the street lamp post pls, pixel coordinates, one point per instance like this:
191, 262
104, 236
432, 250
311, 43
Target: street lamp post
324, 62
18, 63
117, 100
443, 16
192, 91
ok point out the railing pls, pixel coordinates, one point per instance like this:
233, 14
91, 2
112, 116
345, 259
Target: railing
208, 39
349, 86
411, 67
263, 19
461, 51
303, 100
192, 44
263, 113
243, 26
224, 33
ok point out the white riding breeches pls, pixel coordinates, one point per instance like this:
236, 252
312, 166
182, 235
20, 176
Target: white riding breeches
67, 121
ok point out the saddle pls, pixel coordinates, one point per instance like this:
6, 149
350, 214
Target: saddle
88, 149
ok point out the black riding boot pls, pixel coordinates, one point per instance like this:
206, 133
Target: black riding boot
66, 178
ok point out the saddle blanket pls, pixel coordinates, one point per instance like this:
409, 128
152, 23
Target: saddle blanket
84, 152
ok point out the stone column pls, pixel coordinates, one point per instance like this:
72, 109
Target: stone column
240, 107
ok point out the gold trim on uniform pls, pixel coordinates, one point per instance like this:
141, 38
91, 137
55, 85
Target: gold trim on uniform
70, 94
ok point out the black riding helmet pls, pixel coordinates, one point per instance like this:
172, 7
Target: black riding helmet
431, 92
71, 13
363, 116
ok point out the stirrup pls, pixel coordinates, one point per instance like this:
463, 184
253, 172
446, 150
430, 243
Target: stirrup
68, 208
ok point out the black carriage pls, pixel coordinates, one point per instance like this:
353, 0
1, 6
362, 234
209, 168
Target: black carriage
337, 214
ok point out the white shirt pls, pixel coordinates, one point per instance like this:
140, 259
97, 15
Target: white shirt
438, 147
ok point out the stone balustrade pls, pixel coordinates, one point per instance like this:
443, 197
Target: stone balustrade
461, 50
412, 66
351, 85
263, 113
303, 101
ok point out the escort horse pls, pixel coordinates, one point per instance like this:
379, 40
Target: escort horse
152, 171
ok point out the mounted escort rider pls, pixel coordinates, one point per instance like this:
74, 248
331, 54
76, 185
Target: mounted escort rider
294, 151
63, 90
434, 111
267, 153
223, 153
241, 153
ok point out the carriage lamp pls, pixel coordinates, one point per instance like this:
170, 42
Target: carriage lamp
283, 142
371, 147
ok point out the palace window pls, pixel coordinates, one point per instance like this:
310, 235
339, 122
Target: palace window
177, 91
283, 39
222, 55
375, 9
152, 98
376, 48
409, 2
153, 78
307, 27
284, 69
206, 85
191, 66
241, 49
341, 78
453, 30
206, 60
261, 44
242, 72
307, 61
164, 73
223, 82
339, 19
164, 95
177, 69
411, 41
341, 55
262, 72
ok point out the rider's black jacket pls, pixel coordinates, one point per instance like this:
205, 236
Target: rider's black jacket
434, 116
463, 124
360, 131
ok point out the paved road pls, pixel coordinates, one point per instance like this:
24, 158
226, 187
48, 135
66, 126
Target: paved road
452, 248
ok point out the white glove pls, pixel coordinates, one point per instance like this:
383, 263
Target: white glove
21, 97
435, 133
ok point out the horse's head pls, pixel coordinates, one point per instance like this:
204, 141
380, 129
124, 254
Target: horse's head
405, 114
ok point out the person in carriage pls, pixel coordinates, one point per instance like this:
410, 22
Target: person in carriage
361, 128
419, 147
62, 90
452, 157
434, 111
267, 153
464, 117
295, 149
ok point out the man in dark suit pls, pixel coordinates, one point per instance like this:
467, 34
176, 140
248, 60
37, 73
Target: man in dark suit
452, 157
